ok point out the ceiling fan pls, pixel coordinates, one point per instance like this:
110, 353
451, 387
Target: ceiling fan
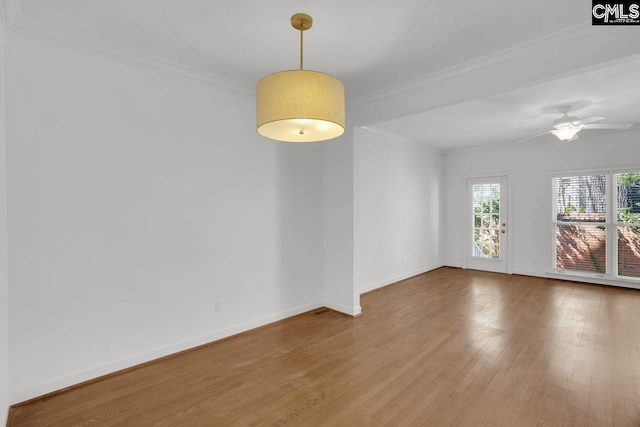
566, 128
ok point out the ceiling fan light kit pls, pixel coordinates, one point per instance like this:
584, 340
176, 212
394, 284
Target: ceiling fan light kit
566, 133
566, 128
300, 105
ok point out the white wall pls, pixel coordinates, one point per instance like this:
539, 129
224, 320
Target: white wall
339, 290
530, 165
4, 303
135, 200
397, 210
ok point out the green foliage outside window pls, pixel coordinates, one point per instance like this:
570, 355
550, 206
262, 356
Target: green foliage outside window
629, 197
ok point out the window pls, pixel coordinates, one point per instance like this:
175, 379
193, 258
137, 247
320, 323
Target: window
628, 223
597, 223
581, 229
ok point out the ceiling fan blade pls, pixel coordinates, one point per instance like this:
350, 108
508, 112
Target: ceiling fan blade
532, 130
533, 137
588, 120
610, 126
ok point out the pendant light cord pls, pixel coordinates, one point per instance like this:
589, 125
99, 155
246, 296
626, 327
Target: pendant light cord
301, 31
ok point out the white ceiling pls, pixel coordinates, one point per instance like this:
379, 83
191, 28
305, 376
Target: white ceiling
612, 92
369, 44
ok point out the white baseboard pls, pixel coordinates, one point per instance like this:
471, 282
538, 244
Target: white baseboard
386, 282
529, 273
577, 277
351, 311
452, 264
59, 383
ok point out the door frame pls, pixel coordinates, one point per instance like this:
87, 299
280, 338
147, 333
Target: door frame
466, 221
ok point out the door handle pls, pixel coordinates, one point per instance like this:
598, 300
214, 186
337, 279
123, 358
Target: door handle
504, 231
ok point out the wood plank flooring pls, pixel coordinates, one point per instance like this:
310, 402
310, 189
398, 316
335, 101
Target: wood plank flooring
449, 347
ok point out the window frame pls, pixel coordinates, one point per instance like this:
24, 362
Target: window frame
617, 224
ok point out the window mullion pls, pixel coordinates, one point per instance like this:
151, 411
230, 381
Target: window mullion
554, 220
612, 262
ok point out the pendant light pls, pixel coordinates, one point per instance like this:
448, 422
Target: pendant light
300, 105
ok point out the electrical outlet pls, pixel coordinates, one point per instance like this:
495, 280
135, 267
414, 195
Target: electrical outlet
219, 305
534, 259
402, 261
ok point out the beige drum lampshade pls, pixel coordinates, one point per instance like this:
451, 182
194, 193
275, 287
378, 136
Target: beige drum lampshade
300, 106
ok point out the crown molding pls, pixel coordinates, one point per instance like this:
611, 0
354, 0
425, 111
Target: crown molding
9, 11
558, 40
13, 19
490, 146
426, 146
17, 22
400, 138
549, 140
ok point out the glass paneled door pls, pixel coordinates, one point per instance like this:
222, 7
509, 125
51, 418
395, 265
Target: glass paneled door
488, 224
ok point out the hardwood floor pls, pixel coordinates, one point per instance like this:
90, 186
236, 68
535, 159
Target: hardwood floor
449, 347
